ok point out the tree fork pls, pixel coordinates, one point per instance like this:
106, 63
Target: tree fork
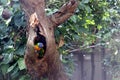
50, 65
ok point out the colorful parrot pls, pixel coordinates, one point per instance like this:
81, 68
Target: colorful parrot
39, 48
39, 43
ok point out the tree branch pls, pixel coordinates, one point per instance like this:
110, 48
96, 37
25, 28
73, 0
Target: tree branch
64, 13
30, 6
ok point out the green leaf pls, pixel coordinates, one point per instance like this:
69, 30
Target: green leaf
92, 22
74, 19
76, 37
2, 29
15, 73
1, 10
25, 77
85, 1
4, 1
99, 27
19, 19
20, 51
21, 64
7, 58
88, 9
16, 0
82, 6
4, 68
16, 7
11, 68
64, 61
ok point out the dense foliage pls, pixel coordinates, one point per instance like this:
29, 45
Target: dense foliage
94, 22
12, 40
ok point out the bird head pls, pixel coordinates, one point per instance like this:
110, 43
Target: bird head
40, 45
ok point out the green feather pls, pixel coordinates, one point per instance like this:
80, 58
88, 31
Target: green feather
41, 52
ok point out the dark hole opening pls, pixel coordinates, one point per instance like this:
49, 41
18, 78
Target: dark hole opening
40, 44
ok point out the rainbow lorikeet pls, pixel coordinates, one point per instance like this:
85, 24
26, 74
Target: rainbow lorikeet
39, 42
39, 48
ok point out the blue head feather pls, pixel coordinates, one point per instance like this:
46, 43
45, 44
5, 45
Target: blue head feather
40, 45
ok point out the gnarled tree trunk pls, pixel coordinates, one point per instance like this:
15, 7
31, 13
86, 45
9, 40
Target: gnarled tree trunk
49, 65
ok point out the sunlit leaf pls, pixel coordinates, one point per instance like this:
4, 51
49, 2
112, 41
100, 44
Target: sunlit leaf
99, 27
92, 22
21, 64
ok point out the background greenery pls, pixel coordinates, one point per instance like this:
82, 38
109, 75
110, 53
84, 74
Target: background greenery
95, 22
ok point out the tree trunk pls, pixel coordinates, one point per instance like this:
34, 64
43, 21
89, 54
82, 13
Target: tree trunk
39, 24
82, 65
102, 57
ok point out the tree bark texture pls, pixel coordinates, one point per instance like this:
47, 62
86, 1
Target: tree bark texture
49, 65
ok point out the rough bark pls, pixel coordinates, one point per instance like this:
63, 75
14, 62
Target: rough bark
50, 65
